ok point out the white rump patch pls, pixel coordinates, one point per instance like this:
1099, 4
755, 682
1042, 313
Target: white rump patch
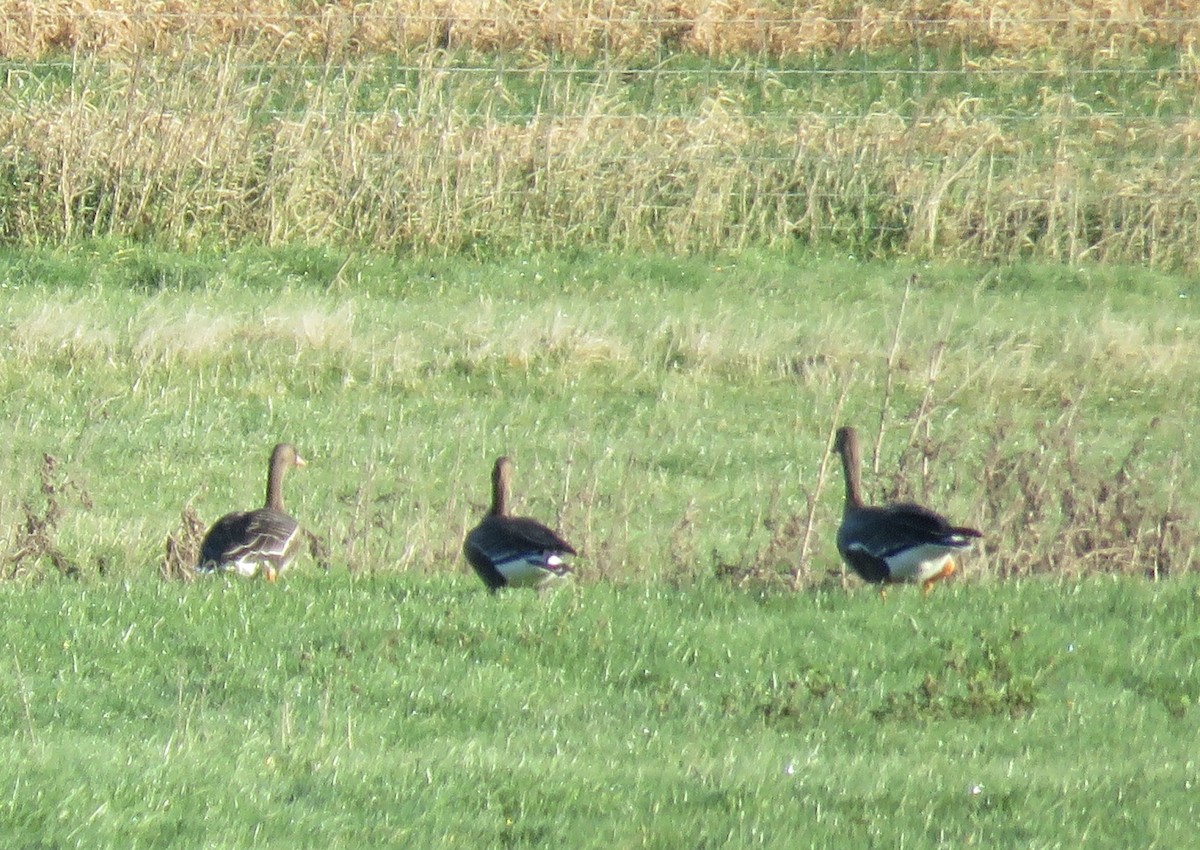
919, 563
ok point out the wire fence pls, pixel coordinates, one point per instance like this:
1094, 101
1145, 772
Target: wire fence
298, 129
1153, 22
620, 29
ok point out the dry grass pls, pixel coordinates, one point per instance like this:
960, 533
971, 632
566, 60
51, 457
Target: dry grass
196, 154
35, 539
586, 28
1052, 513
183, 547
295, 126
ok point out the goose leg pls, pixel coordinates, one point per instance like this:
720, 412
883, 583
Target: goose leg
945, 572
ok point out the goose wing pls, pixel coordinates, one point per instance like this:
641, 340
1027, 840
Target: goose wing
533, 534
506, 550
882, 532
502, 537
246, 539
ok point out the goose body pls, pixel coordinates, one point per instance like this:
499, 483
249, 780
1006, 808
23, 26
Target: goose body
893, 543
513, 551
265, 540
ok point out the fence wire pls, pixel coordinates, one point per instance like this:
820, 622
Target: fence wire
296, 131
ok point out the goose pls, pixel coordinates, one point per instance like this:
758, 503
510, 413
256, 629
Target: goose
513, 551
265, 539
893, 543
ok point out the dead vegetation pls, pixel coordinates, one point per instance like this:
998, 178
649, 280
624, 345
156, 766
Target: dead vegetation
1048, 511
183, 547
190, 123
1045, 503
35, 539
629, 28
181, 156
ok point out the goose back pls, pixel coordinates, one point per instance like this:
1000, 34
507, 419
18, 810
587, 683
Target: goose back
265, 540
893, 543
247, 542
513, 551
902, 542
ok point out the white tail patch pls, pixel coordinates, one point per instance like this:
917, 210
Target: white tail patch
919, 563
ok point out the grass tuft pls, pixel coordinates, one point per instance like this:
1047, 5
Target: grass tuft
183, 547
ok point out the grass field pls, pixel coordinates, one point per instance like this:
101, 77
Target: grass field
406, 710
656, 253
672, 415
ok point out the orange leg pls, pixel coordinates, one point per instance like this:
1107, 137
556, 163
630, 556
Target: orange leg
945, 572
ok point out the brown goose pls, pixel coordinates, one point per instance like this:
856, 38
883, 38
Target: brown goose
513, 551
265, 539
893, 543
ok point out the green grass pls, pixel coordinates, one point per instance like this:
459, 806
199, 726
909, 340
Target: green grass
670, 415
402, 710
